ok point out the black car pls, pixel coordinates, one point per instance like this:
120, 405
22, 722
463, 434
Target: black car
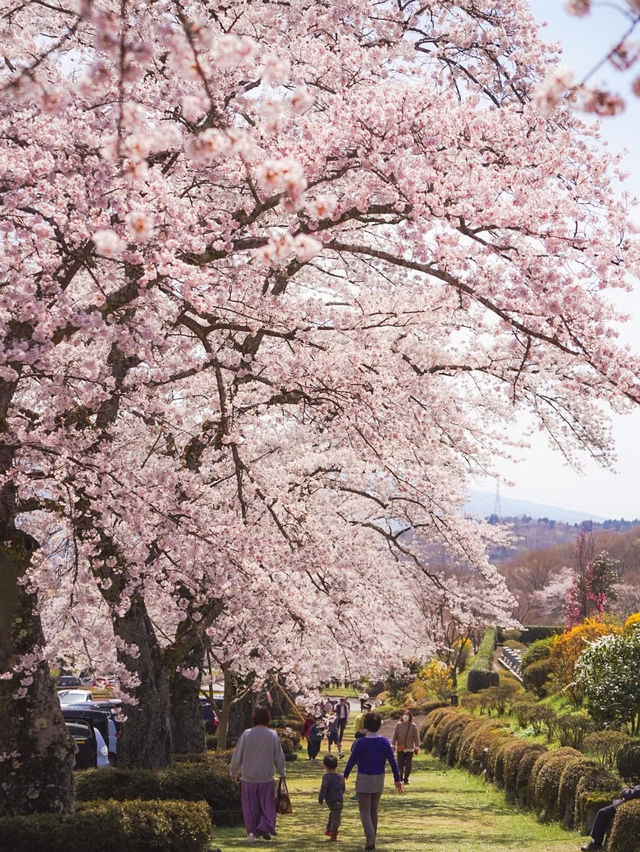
209, 715
68, 681
102, 720
84, 735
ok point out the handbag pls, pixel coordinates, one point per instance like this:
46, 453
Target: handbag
283, 800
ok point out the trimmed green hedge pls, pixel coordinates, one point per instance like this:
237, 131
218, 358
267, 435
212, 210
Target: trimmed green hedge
547, 772
190, 782
112, 826
628, 762
525, 786
625, 831
513, 754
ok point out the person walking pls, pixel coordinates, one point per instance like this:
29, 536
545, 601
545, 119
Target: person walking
370, 754
333, 733
342, 712
332, 792
255, 758
316, 735
406, 742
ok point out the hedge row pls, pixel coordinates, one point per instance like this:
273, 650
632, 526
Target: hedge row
557, 785
190, 782
110, 826
481, 675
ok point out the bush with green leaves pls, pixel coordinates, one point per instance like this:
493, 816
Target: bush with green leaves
604, 746
186, 781
628, 762
537, 677
513, 754
545, 781
501, 696
607, 675
448, 724
522, 707
538, 650
524, 785
543, 718
625, 831
573, 773
495, 757
572, 728
112, 826
594, 780
428, 728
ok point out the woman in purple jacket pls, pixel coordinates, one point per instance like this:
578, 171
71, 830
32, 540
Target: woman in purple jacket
370, 754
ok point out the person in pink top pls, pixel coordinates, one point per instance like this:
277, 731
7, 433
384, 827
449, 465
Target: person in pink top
255, 758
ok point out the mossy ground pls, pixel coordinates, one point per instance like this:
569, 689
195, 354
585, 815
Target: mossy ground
442, 809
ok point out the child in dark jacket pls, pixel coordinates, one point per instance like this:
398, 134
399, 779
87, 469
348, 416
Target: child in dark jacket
332, 792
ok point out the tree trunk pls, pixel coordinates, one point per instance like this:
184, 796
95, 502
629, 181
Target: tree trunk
228, 697
187, 724
38, 777
146, 735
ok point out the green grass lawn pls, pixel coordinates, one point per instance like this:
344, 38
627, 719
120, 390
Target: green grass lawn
442, 809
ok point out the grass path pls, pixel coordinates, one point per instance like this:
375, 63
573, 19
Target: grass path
442, 809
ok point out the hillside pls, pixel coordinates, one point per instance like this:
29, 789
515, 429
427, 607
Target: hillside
538, 569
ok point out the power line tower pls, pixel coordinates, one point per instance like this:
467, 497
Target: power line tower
497, 506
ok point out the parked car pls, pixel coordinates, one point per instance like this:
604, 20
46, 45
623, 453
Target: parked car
86, 741
68, 681
102, 721
209, 715
73, 696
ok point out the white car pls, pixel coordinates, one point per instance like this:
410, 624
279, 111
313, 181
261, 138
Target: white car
74, 696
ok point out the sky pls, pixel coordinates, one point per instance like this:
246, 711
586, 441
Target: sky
542, 476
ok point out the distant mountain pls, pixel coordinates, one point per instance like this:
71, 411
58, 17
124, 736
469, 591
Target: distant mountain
482, 504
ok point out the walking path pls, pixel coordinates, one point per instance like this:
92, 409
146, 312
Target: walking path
442, 809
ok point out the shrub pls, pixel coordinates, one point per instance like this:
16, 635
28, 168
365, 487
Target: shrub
625, 831
545, 781
495, 757
522, 707
112, 826
523, 778
605, 745
478, 679
499, 697
593, 780
454, 740
513, 754
538, 650
187, 781
571, 728
535, 678
426, 707
443, 730
571, 776
465, 743
540, 717
533, 633
567, 648
628, 762
606, 674
436, 679
632, 621
428, 728
481, 741
471, 701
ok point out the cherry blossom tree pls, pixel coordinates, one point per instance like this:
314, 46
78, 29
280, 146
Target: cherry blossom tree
277, 278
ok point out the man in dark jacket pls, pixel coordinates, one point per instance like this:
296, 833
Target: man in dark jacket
604, 818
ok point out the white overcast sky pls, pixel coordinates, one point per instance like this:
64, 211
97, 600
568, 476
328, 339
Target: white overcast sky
542, 476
